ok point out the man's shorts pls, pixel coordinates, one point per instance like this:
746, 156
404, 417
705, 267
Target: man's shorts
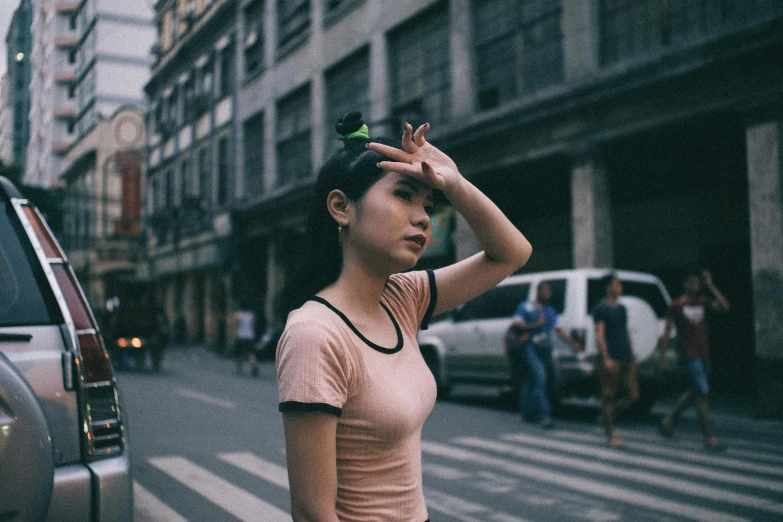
697, 373
625, 374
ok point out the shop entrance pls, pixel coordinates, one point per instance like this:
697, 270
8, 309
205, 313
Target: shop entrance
680, 202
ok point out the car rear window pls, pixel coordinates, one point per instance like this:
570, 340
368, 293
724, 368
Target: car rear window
641, 289
25, 296
499, 302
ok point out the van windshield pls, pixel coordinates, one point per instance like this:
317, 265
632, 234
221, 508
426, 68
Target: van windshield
22, 302
499, 302
642, 289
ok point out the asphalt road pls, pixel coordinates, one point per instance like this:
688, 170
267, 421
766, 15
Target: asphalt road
207, 445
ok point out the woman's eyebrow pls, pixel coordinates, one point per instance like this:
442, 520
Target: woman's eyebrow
416, 186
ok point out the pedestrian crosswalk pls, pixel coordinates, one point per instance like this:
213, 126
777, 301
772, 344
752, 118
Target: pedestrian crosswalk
519, 476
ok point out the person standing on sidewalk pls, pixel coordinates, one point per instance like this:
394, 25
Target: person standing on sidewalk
531, 355
354, 389
689, 314
618, 365
244, 335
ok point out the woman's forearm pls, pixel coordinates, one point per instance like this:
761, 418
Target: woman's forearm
501, 241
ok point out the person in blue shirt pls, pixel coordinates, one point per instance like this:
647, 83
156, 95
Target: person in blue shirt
618, 366
530, 353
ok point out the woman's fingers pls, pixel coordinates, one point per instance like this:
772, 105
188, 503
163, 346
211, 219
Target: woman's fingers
407, 139
401, 168
389, 152
418, 136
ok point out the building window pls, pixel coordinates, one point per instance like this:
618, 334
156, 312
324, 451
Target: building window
293, 137
293, 19
185, 179
347, 89
172, 108
630, 28
519, 48
227, 71
224, 168
419, 65
254, 37
336, 9
188, 100
204, 87
205, 175
253, 132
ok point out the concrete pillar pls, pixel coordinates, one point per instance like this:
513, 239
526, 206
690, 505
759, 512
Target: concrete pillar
580, 39
591, 215
380, 106
317, 90
275, 278
463, 90
764, 143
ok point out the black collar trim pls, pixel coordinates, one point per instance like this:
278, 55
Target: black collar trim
359, 334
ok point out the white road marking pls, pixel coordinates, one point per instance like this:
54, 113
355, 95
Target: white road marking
658, 449
192, 394
227, 496
149, 508
653, 479
269, 471
606, 454
757, 453
444, 472
463, 510
584, 486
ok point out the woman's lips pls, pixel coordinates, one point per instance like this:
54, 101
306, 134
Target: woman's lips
419, 239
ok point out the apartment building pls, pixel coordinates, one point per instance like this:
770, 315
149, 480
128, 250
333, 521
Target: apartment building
89, 58
190, 162
639, 134
18, 42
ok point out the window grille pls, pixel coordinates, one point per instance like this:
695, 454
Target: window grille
631, 28
254, 37
227, 71
224, 168
293, 137
347, 89
293, 19
519, 48
254, 154
205, 175
419, 65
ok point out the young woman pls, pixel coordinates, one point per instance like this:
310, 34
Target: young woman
354, 389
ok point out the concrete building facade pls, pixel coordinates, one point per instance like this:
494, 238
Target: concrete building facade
190, 163
89, 58
641, 135
102, 203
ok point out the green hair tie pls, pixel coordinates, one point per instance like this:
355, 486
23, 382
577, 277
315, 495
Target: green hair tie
363, 133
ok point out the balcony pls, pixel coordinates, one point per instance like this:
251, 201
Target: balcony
64, 111
66, 41
65, 6
64, 75
60, 147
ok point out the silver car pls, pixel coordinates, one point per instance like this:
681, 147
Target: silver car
63, 447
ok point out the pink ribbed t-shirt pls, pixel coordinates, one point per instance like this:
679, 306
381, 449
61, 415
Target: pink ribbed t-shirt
382, 396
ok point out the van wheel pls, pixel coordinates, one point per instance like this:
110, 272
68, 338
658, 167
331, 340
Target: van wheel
433, 363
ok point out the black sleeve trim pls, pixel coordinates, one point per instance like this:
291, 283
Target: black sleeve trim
425, 323
294, 406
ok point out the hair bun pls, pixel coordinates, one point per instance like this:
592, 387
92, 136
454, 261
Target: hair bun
349, 123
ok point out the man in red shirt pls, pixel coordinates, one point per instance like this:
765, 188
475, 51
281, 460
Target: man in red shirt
689, 314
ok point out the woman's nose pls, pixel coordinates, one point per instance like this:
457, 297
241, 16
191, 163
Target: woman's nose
422, 220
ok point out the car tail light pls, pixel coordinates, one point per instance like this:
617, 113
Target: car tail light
102, 433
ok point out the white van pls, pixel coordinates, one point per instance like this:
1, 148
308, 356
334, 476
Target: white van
466, 345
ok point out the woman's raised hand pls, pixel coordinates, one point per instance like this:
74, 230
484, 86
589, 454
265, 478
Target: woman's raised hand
420, 159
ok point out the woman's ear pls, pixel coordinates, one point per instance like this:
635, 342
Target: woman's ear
338, 205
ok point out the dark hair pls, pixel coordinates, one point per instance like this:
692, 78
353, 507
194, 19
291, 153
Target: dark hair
606, 281
353, 170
